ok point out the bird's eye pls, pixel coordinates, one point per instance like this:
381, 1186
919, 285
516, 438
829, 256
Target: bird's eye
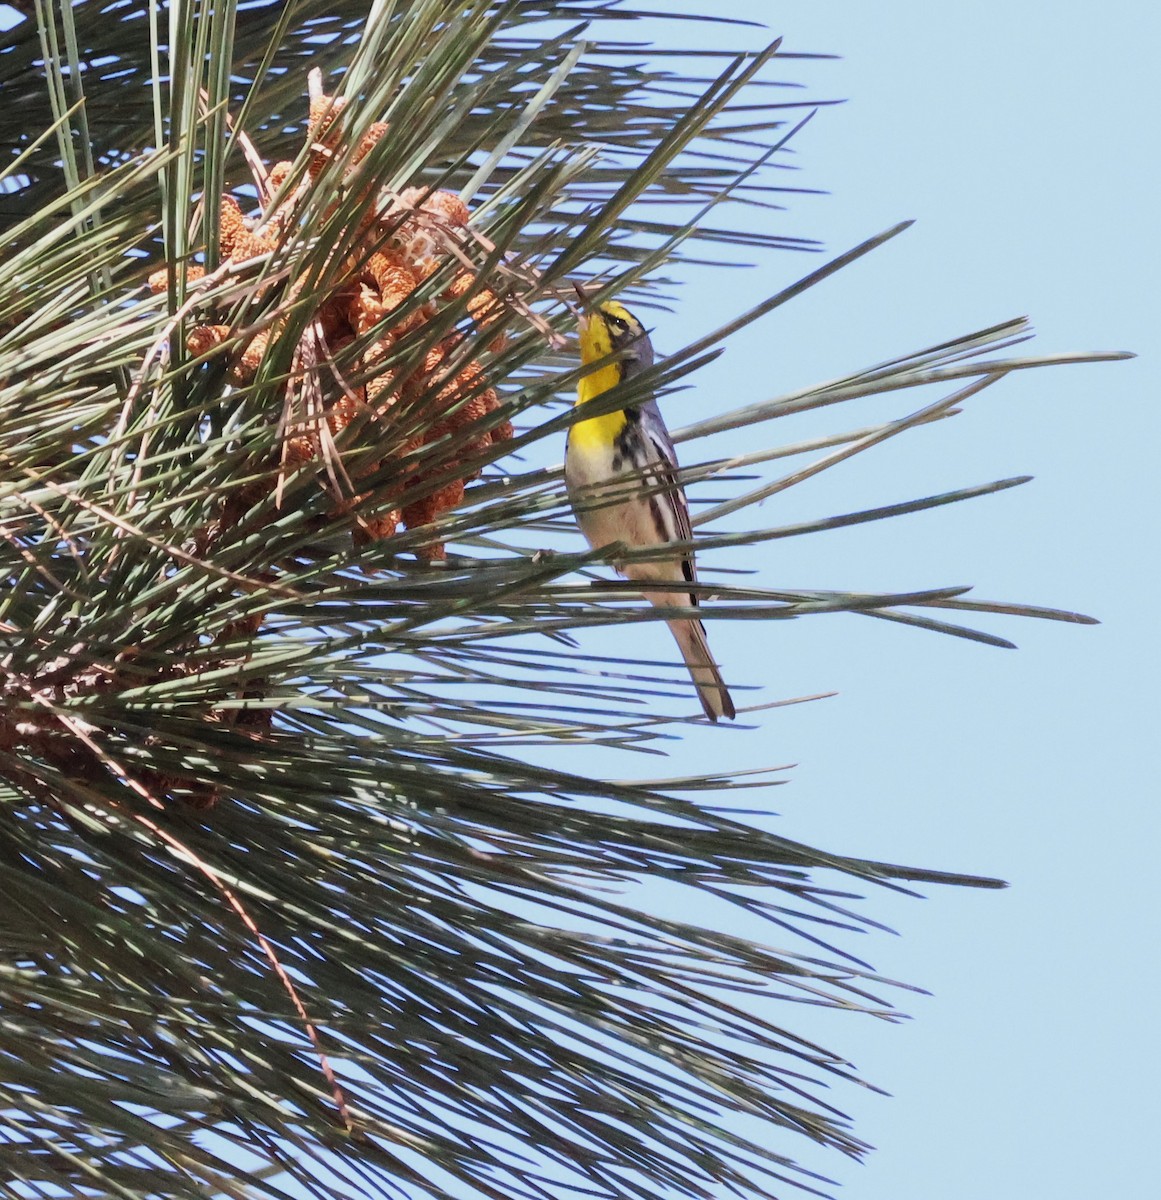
618, 323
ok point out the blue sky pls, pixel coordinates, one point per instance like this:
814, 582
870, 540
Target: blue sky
1023, 140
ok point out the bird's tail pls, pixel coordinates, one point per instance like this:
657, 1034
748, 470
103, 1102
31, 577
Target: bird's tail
711, 691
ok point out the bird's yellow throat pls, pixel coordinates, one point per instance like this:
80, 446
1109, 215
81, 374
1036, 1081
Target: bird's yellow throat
597, 432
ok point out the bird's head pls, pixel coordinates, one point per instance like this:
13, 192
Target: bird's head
610, 328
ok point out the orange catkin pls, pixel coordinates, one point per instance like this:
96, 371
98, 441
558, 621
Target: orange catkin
159, 280
279, 174
237, 240
205, 337
402, 239
448, 207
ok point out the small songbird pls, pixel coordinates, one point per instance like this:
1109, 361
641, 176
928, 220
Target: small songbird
631, 451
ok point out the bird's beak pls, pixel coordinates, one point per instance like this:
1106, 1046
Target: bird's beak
582, 314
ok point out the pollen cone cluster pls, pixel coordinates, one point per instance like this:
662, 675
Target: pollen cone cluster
360, 397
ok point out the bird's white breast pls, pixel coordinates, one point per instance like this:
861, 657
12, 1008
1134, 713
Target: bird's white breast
611, 506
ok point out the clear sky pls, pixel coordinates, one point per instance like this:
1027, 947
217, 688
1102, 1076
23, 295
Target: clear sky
1023, 138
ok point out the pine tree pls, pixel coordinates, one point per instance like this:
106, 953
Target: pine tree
309, 888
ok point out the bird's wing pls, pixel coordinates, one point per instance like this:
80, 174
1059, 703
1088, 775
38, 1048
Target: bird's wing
673, 494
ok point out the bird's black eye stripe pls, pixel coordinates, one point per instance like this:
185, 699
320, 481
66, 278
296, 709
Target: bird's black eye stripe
618, 323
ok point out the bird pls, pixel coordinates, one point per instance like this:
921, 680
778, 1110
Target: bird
644, 504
